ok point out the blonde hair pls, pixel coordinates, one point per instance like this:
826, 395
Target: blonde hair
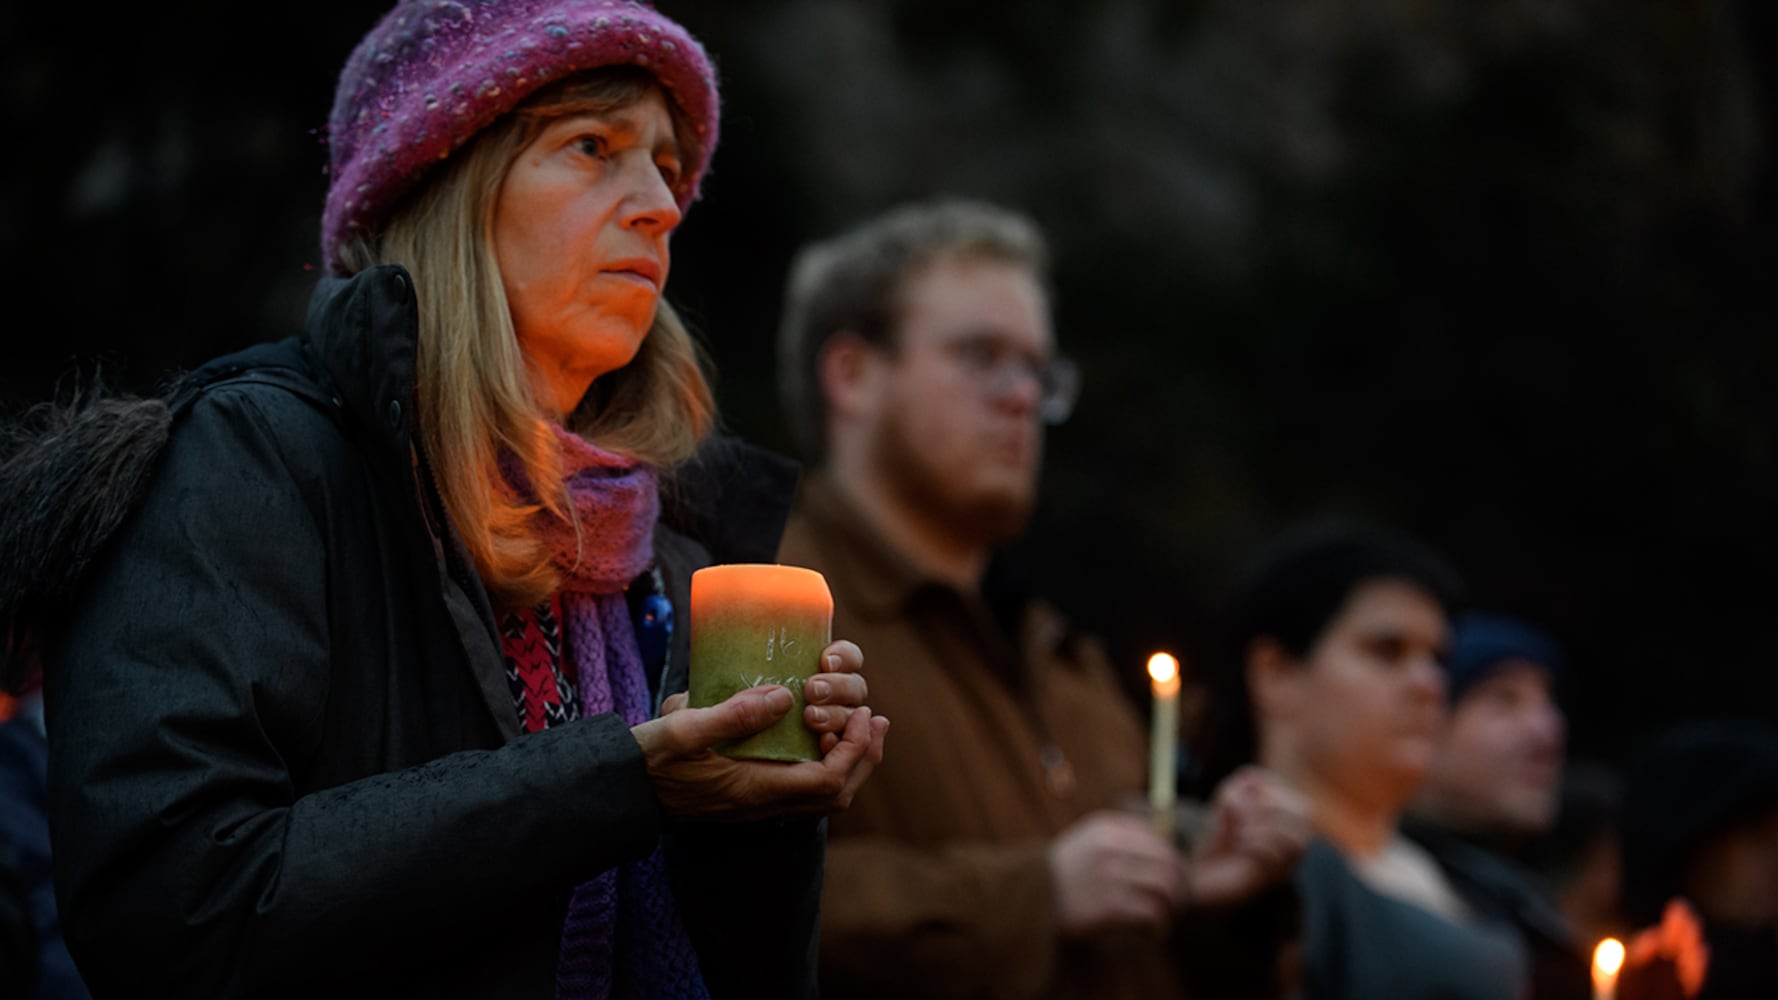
473, 389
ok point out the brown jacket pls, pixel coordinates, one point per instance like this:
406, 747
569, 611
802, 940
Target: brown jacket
937, 884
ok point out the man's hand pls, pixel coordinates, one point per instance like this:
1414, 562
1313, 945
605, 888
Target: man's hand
1259, 827
695, 783
1112, 870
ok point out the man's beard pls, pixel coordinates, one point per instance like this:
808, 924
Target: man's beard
982, 516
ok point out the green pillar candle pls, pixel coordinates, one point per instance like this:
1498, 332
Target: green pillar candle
754, 624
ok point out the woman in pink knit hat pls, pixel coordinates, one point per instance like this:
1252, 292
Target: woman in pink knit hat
364, 681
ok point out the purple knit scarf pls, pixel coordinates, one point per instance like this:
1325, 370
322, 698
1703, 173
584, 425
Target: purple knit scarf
622, 936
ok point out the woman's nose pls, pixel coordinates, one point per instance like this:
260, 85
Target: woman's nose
649, 205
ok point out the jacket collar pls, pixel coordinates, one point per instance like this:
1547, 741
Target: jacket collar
364, 333
364, 330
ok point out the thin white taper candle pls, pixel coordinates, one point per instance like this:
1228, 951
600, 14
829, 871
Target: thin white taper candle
1163, 743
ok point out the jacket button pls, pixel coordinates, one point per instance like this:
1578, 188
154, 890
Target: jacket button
395, 414
399, 288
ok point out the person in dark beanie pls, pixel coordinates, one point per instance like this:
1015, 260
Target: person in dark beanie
353, 698
1699, 823
1332, 676
1498, 770
1494, 786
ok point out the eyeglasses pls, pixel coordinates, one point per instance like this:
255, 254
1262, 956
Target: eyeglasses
997, 367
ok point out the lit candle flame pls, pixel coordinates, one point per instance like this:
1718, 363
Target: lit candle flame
1609, 956
1163, 668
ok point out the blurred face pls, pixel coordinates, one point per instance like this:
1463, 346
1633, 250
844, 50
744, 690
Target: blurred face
956, 420
1734, 879
1499, 766
1369, 699
581, 226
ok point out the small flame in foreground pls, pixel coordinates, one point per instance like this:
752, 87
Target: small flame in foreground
1609, 956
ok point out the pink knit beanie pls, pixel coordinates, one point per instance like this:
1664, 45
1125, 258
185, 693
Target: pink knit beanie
433, 73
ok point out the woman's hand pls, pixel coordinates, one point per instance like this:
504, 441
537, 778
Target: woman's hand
695, 783
832, 696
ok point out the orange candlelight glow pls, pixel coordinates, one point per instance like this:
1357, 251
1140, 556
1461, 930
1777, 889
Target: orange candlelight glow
1164, 669
755, 587
1608, 959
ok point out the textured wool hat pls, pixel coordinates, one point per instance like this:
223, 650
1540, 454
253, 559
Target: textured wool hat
433, 73
1481, 642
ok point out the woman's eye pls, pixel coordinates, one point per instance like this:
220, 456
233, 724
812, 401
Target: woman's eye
669, 172
593, 146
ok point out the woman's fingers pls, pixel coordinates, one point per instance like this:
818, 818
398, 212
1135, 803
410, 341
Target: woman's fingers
832, 696
842, 657
760, 789
826, 720
873, 755
743, 714
846, 689
829, 784
697, 784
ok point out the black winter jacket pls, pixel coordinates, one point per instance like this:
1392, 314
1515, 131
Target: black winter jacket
285, 761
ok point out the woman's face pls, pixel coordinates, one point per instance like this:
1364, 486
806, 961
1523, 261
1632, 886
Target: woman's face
1372, 693
581, 225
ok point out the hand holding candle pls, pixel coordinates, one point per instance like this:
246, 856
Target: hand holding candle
1163, 669
695, 784
1668, 961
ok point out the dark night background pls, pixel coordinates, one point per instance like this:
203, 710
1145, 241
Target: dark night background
1499, 274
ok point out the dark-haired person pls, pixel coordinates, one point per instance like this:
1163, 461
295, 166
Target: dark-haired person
1333, 679
354, 704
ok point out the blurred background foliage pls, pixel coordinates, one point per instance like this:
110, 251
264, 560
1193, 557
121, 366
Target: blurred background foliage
1498, 274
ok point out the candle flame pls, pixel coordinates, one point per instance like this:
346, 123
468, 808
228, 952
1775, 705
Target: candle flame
1608, 958
1163, 668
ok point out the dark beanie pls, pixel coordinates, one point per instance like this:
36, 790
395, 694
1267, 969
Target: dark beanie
1681, 790
1482, 641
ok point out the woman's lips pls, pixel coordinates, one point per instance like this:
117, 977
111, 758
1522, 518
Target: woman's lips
645, 272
